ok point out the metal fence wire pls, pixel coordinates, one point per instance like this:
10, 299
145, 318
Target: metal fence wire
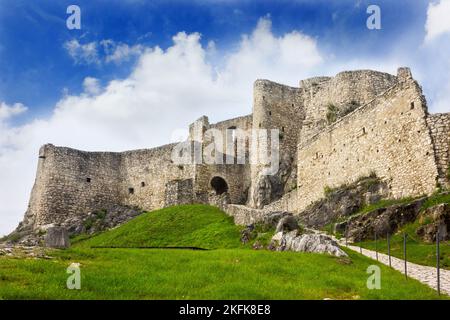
403, 242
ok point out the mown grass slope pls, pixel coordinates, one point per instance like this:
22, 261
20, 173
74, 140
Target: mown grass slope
179, 226
215, 274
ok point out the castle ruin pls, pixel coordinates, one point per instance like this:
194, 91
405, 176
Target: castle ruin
333, 130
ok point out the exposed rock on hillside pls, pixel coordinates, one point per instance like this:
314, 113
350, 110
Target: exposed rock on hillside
381, 221
438, 218
316, 243
93, 222
344, 201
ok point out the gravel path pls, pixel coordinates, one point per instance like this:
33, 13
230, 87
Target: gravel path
424, 274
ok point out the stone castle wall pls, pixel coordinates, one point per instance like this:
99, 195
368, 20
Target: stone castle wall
387, 131
440, 132
389, 136
70, 182
345, 91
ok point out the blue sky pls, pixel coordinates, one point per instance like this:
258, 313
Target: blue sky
138, 72
35, 68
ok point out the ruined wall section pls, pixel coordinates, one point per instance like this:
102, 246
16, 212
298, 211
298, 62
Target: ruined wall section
72, 183
276, 106
237, 176
345, 92
145, 174
439, 125
388, 136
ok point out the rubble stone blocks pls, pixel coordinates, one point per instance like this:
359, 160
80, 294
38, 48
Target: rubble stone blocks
57, 237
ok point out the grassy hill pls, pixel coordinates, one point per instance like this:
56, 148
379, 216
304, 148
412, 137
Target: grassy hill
198, 226
232, 271
215, 274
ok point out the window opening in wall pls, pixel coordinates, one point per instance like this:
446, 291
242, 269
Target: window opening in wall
270, 113
131, 190
142, 184
412, 105
282, 129
231, 134
364, 130
88, 180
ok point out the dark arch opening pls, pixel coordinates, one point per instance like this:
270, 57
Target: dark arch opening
219, 185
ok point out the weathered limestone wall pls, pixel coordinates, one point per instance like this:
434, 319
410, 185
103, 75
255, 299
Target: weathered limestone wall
236, 176
347, 90
70, 182
244, 215
179, 192
440, 132
275, 106
146, 172
391, 135
73, 183
388, 136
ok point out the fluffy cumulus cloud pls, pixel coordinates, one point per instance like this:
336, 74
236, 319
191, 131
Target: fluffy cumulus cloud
7, 111
436, 50
166, 90
438, 19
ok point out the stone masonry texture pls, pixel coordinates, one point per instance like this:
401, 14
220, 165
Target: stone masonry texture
332, 131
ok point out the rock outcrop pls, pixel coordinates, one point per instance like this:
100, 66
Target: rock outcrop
382, 221
344, 201
313, 243
435, 219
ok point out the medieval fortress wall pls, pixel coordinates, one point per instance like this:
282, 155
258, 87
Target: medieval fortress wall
73, 183
388, 137
439, 125
332, 131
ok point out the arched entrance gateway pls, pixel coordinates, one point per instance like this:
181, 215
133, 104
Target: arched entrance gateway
219, 185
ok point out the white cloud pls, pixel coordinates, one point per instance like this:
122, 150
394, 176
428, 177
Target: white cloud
118, 52
438, 19
7, 111
91, 86
82, 53
436, 48
106, 51
166, 90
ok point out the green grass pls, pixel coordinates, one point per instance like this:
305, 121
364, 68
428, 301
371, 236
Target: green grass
417, 250
435, 200
382, 204
179, 226
232, 271
216, 274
